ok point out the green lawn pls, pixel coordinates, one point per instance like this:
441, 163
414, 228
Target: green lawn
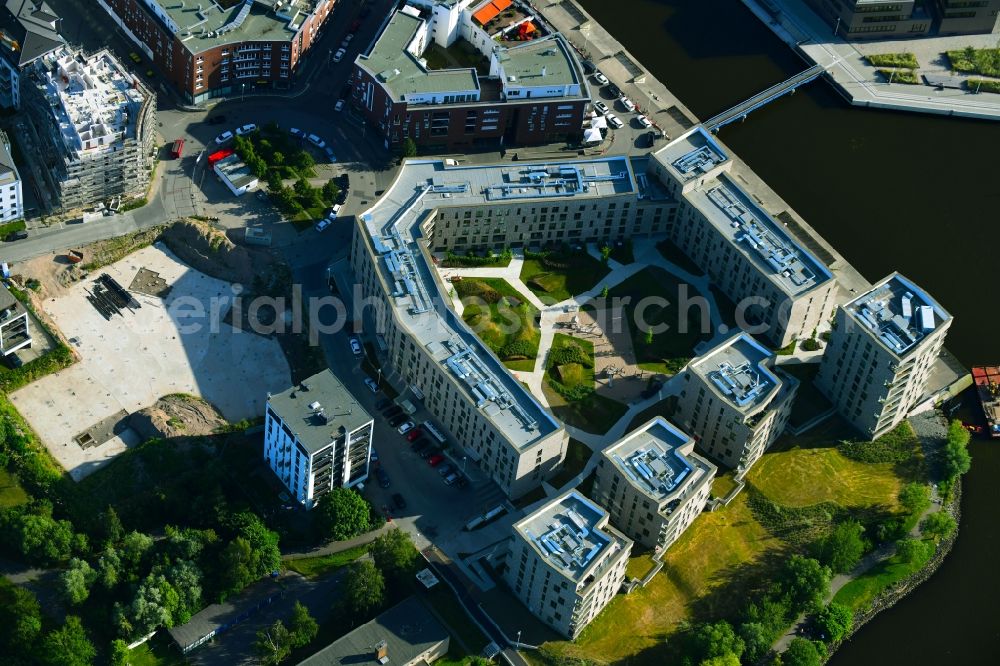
311, 567
502, 318
557, 276
157, 651
671, 349
11, 492
858, 594
569, 386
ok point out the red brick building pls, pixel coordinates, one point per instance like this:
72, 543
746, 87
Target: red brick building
535, 92
212, 49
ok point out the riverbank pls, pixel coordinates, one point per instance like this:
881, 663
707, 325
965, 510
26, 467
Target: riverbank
855, 78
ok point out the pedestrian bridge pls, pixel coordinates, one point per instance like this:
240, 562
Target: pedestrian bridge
742, 110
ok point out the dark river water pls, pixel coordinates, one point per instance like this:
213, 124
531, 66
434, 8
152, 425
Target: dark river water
891, 191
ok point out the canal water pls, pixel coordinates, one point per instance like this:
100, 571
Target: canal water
891, 191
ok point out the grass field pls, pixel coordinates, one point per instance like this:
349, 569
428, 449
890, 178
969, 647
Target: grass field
11, 492
634, 629
311, 567
502, 318
578, 273
859, 593
157, 651
671, 349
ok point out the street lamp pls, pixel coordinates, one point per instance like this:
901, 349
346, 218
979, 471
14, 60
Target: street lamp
836, 28
243, 91
518, 641
464, 460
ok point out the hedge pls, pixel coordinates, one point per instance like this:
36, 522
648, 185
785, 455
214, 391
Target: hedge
11, 227
907, 60
983, 85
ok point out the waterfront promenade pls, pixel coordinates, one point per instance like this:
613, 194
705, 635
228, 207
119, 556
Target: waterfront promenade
859, 82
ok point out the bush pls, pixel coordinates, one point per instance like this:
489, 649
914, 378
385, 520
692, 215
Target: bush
517, 350
842, 548
957, 460
453, 260
810, 344
477, 289
900, 76
570, 353
939, 525
803, 652
133, 204
977, 61
11, 227
834, 622
907, 60
895, 446
982, 85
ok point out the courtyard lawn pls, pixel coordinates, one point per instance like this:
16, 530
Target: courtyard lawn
312, 567
635, 629
669, 350
502, 318
569, 386
808, 469
556, 276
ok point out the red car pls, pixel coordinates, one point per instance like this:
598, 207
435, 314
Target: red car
434, 461
413, 434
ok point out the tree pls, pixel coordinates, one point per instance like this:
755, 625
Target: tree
649, 336
805, 581
20, 620
119, 653
302, 187
801, 652
605, 254
75, 582
303, 628
715, 639
303, 161
915, 497
67, 646
394, 554
135, 545
842, 548
111, 528
277, 158
938, 525
605, 292
36, 535
341, 514
757, 640
834, 622
273, 644
331, 190
957, 460
364, 590
914, 550
409, 148
728, 659
151, 608
109, 568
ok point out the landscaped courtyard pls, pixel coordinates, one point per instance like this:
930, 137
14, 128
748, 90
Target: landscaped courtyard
557, 276
569, 386
502, 318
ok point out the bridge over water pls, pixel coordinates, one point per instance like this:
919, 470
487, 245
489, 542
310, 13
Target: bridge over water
743, 109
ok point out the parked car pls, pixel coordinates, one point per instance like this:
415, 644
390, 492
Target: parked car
627, 103
446, 469
372, 385
16, 236
414, 434
613, 121
644, 121
405, 427
356, 347
330, 154
344, 44
435, 460
588, 66
297, 133
374, 455
316, 141
245, 129
348, 38
222, 138
382, 403
383, 477
339, 55
614, 90
601, 108
323, 224
420, 445
339, 106
451, 478
600, 78
396, 420
430, 452
392, 411
262, 195
398, 501
135, 57
216, 120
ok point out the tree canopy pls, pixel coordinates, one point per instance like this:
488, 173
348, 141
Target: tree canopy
843, 547
364, 589
67, 646
802, 652
938, 525
394, 554
342, 514
715, 639
834, 621
805, 580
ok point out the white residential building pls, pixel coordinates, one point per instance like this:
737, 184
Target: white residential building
734, 402
317, 437
14, 331
880, 354
653, 484
11, 195
566, 562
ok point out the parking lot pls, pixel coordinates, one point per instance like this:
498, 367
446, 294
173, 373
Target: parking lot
143, 353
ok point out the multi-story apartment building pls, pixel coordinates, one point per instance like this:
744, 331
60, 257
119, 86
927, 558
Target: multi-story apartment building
11, 196
96, 124
735, 402
780, 289
29, 29
317, 437
653, 484
14, 331
967, 16
535, 91
215, 49
880, 354
566, 562
875, 19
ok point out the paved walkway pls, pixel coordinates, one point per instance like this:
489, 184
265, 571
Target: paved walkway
340, 546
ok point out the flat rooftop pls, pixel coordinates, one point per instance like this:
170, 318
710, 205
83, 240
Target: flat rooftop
898, 312
540, 62
424, 311
317, 409
657, 458
392, 63
753, 232
235, 171
204, 25
94, 99
735, 370
569, 533
692, 155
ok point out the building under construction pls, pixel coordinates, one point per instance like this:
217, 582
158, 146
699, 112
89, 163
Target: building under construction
95, 125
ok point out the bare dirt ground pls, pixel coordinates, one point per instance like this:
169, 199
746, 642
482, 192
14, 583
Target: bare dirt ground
177, 415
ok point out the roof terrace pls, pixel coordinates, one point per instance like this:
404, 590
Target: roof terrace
569, 532
658, 459
752, 231
736, 371
898, 312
